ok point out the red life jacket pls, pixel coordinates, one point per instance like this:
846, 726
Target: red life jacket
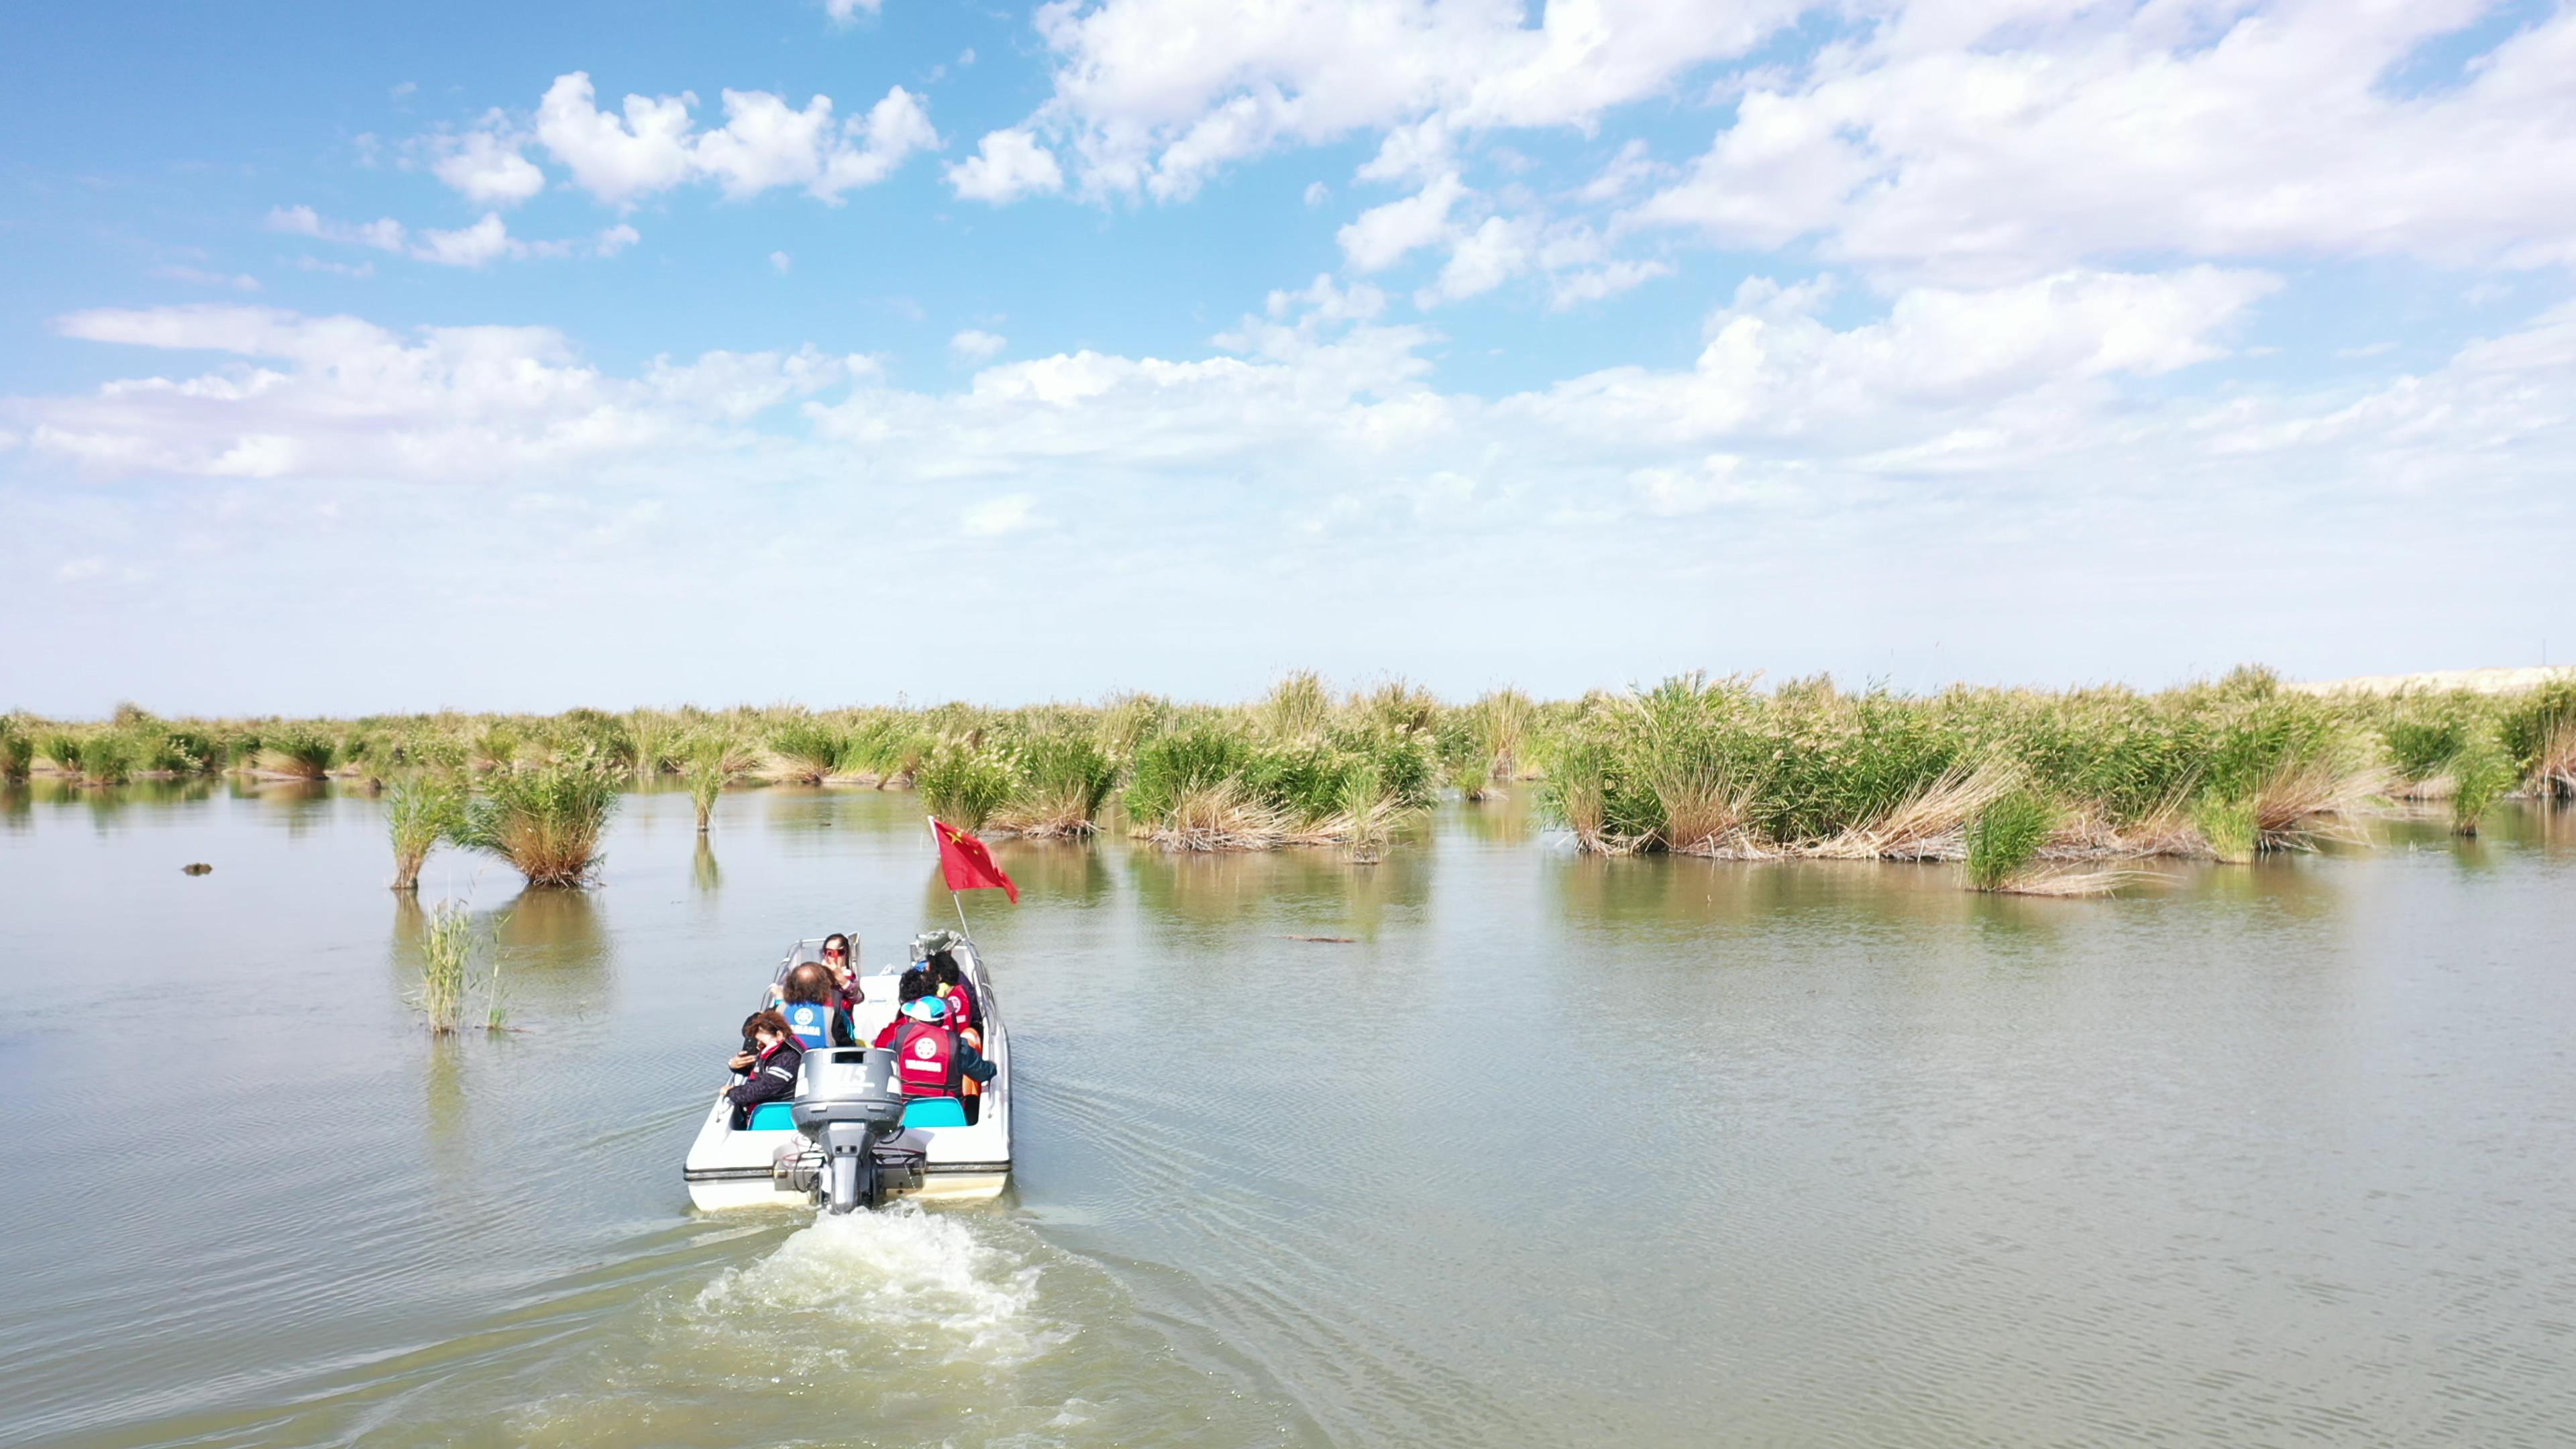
925, 1059
961, 1006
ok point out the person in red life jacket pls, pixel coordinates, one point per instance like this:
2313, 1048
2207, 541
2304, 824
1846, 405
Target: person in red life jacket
811, 1012
771, 1065
951, 984
911, 988
929, 1060
964, 1014
841, 958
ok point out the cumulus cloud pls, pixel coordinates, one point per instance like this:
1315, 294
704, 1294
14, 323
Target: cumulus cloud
1006, 165
781, 262
1382, 235
972, 345
652, 144
2021, 138
1159, 95
485, 166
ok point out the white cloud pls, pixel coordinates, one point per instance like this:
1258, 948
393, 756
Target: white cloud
485, 167
239, 282
845, 12
1575, 288
2008, 139
1006, 165
471, 246
781, 262
1317, 193
974, 346
653, 144
73, 571
1158, 95
1008, 514
1495, 252
1971, 446
486, 241
337, 396
616, 158
1382, 235
337, 269
384, 234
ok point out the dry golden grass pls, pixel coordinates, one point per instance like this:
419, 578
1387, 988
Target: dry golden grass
1931, 825
2306, 804
1219, 817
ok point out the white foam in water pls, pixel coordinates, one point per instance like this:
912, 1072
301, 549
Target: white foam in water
901, 1271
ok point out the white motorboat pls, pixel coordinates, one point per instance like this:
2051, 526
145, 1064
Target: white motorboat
850, 1138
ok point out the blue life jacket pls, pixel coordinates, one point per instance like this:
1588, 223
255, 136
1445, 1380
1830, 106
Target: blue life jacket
811, 1021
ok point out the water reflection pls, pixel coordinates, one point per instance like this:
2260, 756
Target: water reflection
1065, 871
703, 871
1300, 890
17, 807
552, 941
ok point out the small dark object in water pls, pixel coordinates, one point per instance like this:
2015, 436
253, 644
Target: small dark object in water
198, 867
1329, 940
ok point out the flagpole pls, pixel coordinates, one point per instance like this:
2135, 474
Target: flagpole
953, 897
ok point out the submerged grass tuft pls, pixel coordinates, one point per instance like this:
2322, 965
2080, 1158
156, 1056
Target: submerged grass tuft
446, 951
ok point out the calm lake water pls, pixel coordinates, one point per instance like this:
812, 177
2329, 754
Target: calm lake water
1556, 1152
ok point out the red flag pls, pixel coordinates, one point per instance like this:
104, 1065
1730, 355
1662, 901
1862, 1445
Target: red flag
967, 864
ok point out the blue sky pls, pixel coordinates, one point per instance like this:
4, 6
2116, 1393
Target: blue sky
391, 359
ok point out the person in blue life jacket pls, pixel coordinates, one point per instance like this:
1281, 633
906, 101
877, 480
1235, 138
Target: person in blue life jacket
930, 1060
770, 1063
811, 1012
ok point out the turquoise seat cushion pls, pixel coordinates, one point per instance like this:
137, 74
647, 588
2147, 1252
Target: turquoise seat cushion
771, 1115
934, 1112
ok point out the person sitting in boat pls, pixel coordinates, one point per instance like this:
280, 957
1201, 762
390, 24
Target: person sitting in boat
951, 985
929, 1059
841, 958
810, 1011
914, 985
770, 1064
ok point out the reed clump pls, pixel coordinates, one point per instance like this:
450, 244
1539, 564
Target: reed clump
710, 762
420, 811
545, 820
17, 751
446, 959
1058, 784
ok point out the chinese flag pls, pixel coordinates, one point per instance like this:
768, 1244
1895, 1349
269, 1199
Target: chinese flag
967, 864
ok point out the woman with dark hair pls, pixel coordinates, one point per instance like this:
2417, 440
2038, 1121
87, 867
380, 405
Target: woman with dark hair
807, 1003
913, 986
770, 1065
950, 979
841, 958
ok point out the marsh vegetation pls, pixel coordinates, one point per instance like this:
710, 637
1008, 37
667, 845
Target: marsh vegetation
2017, 785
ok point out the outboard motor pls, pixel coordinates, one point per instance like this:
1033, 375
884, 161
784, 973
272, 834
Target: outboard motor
848, 1104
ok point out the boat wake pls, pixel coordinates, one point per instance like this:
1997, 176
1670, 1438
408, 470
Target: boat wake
920, 1283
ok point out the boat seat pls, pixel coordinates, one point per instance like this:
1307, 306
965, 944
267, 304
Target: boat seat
934, 1112
768, 1116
